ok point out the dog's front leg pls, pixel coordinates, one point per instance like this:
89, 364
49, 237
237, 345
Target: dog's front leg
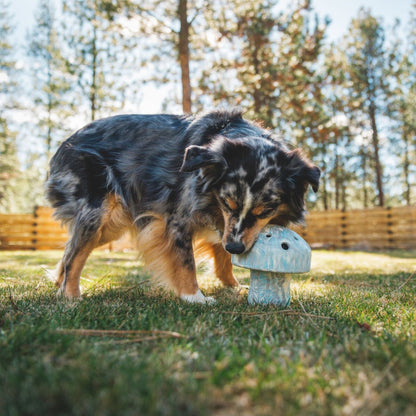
184, 278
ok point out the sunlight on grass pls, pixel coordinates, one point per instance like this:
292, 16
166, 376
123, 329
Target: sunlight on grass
362, 262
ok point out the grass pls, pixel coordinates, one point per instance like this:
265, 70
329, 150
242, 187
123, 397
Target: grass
346, 346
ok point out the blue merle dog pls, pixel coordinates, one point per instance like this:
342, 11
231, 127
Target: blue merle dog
183, 184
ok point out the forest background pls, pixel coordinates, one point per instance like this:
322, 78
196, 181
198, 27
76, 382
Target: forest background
350, 103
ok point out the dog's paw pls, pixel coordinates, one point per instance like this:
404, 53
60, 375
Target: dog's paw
240, 290
62, 294
198, 297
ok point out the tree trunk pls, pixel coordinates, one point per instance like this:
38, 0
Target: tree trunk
406, 167
364, 168
337, 177
184, 55
376, 149
93, 90
324, 192
344, 196
50, 105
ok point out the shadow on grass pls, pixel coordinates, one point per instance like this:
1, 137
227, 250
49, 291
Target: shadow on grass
233, 357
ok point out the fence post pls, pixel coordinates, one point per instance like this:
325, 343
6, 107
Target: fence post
344, 229
390, 232
35, 227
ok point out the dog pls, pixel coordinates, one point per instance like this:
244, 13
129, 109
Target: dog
183, 184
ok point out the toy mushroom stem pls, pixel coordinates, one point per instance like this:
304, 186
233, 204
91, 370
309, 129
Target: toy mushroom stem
269, 288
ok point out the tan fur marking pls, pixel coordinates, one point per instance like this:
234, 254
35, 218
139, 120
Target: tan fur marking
228, 225
280, 217
72, 277
250, 234
116, 220
162, 261
257, 210
59, 274
222, 261
231, 204
283, 209
114, 223
223, 266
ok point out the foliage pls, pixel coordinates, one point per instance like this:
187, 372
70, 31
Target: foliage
9, 165
345, 346
272, 70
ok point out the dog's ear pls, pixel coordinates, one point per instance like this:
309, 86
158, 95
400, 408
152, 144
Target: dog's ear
298, 171
312, 176
211, 163
197, 157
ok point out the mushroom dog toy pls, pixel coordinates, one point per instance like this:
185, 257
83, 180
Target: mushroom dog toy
277, 251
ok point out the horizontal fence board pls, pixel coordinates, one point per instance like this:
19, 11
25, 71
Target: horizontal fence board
379, 228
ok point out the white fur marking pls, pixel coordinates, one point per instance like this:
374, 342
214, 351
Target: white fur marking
248, 200
198, 297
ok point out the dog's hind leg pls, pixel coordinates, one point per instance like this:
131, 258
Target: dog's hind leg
73, 265
84, 238
92, 228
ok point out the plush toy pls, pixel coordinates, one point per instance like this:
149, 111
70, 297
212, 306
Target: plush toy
277, 252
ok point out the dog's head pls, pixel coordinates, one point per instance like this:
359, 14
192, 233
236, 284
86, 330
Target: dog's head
255, 182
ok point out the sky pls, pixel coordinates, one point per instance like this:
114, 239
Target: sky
340, 12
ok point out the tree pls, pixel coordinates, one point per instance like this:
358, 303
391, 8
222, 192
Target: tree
183, 52
50, 83
170, 41
403, 107
9, 165
367, 67
96, 58
271, 71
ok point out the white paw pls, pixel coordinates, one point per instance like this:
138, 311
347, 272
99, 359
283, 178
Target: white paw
198, 297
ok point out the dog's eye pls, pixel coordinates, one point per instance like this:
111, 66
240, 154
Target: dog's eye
231, 204
263, 211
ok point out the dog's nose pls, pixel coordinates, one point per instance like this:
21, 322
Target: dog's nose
235, 248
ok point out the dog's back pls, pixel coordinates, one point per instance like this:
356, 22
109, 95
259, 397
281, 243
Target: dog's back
130, 155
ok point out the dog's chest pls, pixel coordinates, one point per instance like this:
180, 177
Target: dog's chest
208, 235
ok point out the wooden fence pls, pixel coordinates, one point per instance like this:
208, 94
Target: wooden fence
39, 231
377, 228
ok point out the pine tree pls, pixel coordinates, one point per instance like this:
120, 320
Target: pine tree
9, 165
271, 71
96, 58
403, 107
49, 80
169, 39
368, 70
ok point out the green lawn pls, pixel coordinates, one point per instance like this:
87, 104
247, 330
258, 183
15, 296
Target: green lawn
346, 346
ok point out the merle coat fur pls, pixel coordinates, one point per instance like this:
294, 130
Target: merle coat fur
182, 184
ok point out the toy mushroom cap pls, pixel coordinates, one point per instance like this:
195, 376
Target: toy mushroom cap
277, 249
